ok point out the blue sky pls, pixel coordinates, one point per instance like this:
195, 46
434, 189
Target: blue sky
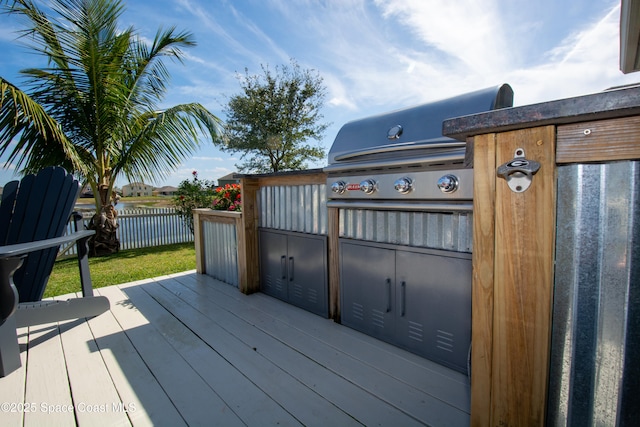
374, 56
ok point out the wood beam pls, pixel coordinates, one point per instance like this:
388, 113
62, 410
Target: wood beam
599, 141
249, 189
513, 281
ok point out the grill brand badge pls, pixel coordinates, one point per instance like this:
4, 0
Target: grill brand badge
353, 187
394, 133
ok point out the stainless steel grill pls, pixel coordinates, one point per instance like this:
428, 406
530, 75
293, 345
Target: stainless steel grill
400, 160
406, 201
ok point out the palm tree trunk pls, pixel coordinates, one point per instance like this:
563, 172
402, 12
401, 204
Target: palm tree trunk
104, 222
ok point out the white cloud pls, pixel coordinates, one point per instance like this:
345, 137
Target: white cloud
373, 60
339, 95
209, 159
215, 29
585, 62
464, 31
458, 46
262, 38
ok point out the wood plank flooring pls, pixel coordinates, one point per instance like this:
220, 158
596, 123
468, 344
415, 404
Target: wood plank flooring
187, 349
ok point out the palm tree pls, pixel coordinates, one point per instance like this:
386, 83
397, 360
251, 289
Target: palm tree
94, 109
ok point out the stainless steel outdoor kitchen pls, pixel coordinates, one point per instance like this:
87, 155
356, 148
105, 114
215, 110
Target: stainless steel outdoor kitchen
499, 244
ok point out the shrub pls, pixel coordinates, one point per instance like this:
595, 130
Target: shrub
193, 194
227, 198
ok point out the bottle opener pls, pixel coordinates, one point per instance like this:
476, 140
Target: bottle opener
519, 171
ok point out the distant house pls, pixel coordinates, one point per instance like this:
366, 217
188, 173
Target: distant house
137, 189
167, 190
228, 179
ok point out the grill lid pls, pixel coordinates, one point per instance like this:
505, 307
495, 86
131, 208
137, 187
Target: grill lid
410, 136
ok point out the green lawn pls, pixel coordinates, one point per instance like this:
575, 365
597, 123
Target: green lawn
125, 266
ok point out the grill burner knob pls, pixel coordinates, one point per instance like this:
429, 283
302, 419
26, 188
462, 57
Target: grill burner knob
448, 183
368, 186
403, 185
338, 187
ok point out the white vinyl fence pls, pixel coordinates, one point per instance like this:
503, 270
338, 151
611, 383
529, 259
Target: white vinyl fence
142, 228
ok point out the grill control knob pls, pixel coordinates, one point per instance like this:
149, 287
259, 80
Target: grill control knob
403, 185
368, 186
448, 183
338, 187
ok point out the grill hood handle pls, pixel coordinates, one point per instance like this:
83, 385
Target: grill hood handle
434, 143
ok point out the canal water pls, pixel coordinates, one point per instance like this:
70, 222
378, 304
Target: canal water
82, 206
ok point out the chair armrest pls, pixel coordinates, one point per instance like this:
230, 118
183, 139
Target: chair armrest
25, 248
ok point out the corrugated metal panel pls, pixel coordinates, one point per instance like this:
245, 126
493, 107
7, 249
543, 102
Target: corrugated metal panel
594, 375
221, 251
449, 231
301, 208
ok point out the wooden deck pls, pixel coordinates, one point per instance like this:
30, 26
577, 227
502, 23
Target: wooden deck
189, 350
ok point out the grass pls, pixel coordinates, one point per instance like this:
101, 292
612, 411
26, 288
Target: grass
125, 266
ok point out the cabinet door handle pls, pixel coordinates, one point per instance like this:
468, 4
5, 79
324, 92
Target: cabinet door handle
388, 295
291, 269
403, 295
283, 266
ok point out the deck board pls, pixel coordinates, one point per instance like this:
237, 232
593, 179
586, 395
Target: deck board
89, 378
303, 403
187, 349
250, 404
364, 378
190, 394
47, 394
335, 389
422, 374
12, 387
142, 396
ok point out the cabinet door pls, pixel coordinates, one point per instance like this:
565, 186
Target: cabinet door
307, 273
434, 307
367, 295
273, 264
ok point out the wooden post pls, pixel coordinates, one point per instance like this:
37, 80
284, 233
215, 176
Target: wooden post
333, 228
484, 188
242, 251
250, 228
198, 242
513, 281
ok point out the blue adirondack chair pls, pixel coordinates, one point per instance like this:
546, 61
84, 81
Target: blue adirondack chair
34, 213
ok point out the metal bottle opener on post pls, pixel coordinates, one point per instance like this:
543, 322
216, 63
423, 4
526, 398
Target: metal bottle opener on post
519, 171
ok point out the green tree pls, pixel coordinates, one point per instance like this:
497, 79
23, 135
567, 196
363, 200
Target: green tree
273, 117
94, 108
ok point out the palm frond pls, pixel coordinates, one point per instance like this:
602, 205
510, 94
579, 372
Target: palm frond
94, 107
26, 131
167, 138
149, 75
